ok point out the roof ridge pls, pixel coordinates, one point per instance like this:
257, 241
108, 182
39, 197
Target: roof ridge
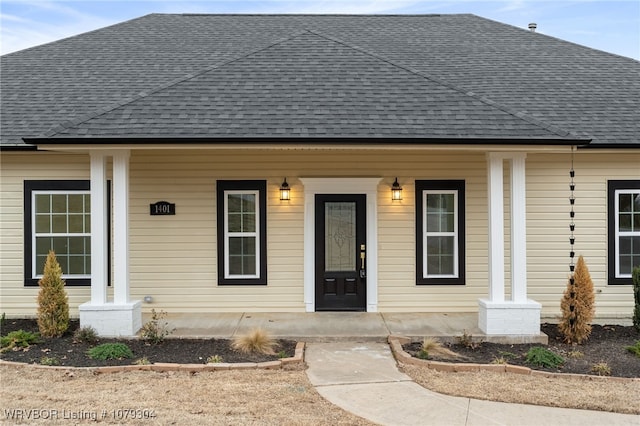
519, 114
140, 95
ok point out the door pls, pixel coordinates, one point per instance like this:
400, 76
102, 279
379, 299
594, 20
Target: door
340, 252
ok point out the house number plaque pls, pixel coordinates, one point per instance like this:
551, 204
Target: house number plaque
162, 208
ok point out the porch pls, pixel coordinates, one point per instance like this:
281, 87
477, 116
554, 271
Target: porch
338, 326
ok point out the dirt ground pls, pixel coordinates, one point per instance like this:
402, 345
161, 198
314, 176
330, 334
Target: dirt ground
597, 394
247, 397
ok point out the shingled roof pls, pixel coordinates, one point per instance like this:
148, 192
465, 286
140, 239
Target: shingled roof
425, 79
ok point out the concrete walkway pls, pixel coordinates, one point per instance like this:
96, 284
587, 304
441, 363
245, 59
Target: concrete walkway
351, 365
362, 378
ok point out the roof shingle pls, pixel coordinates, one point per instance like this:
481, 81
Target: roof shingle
230, 76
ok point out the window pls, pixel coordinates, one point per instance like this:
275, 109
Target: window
242, 230
58, 217
623, 206
440, 234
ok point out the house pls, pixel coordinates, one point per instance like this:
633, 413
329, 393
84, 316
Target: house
283, 163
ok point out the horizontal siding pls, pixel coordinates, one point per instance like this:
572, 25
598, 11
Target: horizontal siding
173, 258
548, 226
15, 168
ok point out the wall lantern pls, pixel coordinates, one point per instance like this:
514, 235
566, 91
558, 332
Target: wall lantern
285, 191
396, 191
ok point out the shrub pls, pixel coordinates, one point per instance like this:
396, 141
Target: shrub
214, 359
635, 348
499, 360
635, 276
142, 361
466, 340
577, 305
543, 357
155, 330
18, 339
601, 369
85, 334
575, 354
110, 351
53, 303
49, 360
422, 354
256, 341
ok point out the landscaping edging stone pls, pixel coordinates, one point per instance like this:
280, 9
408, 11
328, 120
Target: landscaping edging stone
396, 342
297, 358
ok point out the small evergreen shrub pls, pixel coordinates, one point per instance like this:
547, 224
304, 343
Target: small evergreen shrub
18, 339
155, 330
635, 348
110, 351
53, 303
256, 341
635, 277
577, 305
543, 357
85, 334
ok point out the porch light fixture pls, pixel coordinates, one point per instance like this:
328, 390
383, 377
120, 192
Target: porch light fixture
285, 191
396, 191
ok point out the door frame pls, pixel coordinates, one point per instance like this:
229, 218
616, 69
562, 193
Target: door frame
344, 185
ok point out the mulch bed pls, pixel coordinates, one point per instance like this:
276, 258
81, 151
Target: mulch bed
606, 344
66, 352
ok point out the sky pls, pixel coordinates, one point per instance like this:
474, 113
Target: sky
612, 26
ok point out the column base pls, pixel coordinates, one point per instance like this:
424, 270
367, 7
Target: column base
509, 318
112, 320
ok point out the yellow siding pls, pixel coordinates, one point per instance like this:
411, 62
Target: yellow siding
15, 298
173, 258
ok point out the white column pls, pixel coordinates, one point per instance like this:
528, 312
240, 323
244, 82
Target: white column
518, 316
496, 226
518, 229
121, 227
99, 259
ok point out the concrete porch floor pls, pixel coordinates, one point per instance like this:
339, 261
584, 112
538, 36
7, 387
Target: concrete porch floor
336, 326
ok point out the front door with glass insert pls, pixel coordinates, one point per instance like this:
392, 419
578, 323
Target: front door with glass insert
340, 252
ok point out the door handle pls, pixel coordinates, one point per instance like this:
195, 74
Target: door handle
362, 257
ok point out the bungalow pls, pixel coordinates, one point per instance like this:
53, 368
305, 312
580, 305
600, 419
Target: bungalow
223, 163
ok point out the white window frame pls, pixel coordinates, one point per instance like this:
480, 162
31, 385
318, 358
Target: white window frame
228, 235
619, 233
426, 234
34, 234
